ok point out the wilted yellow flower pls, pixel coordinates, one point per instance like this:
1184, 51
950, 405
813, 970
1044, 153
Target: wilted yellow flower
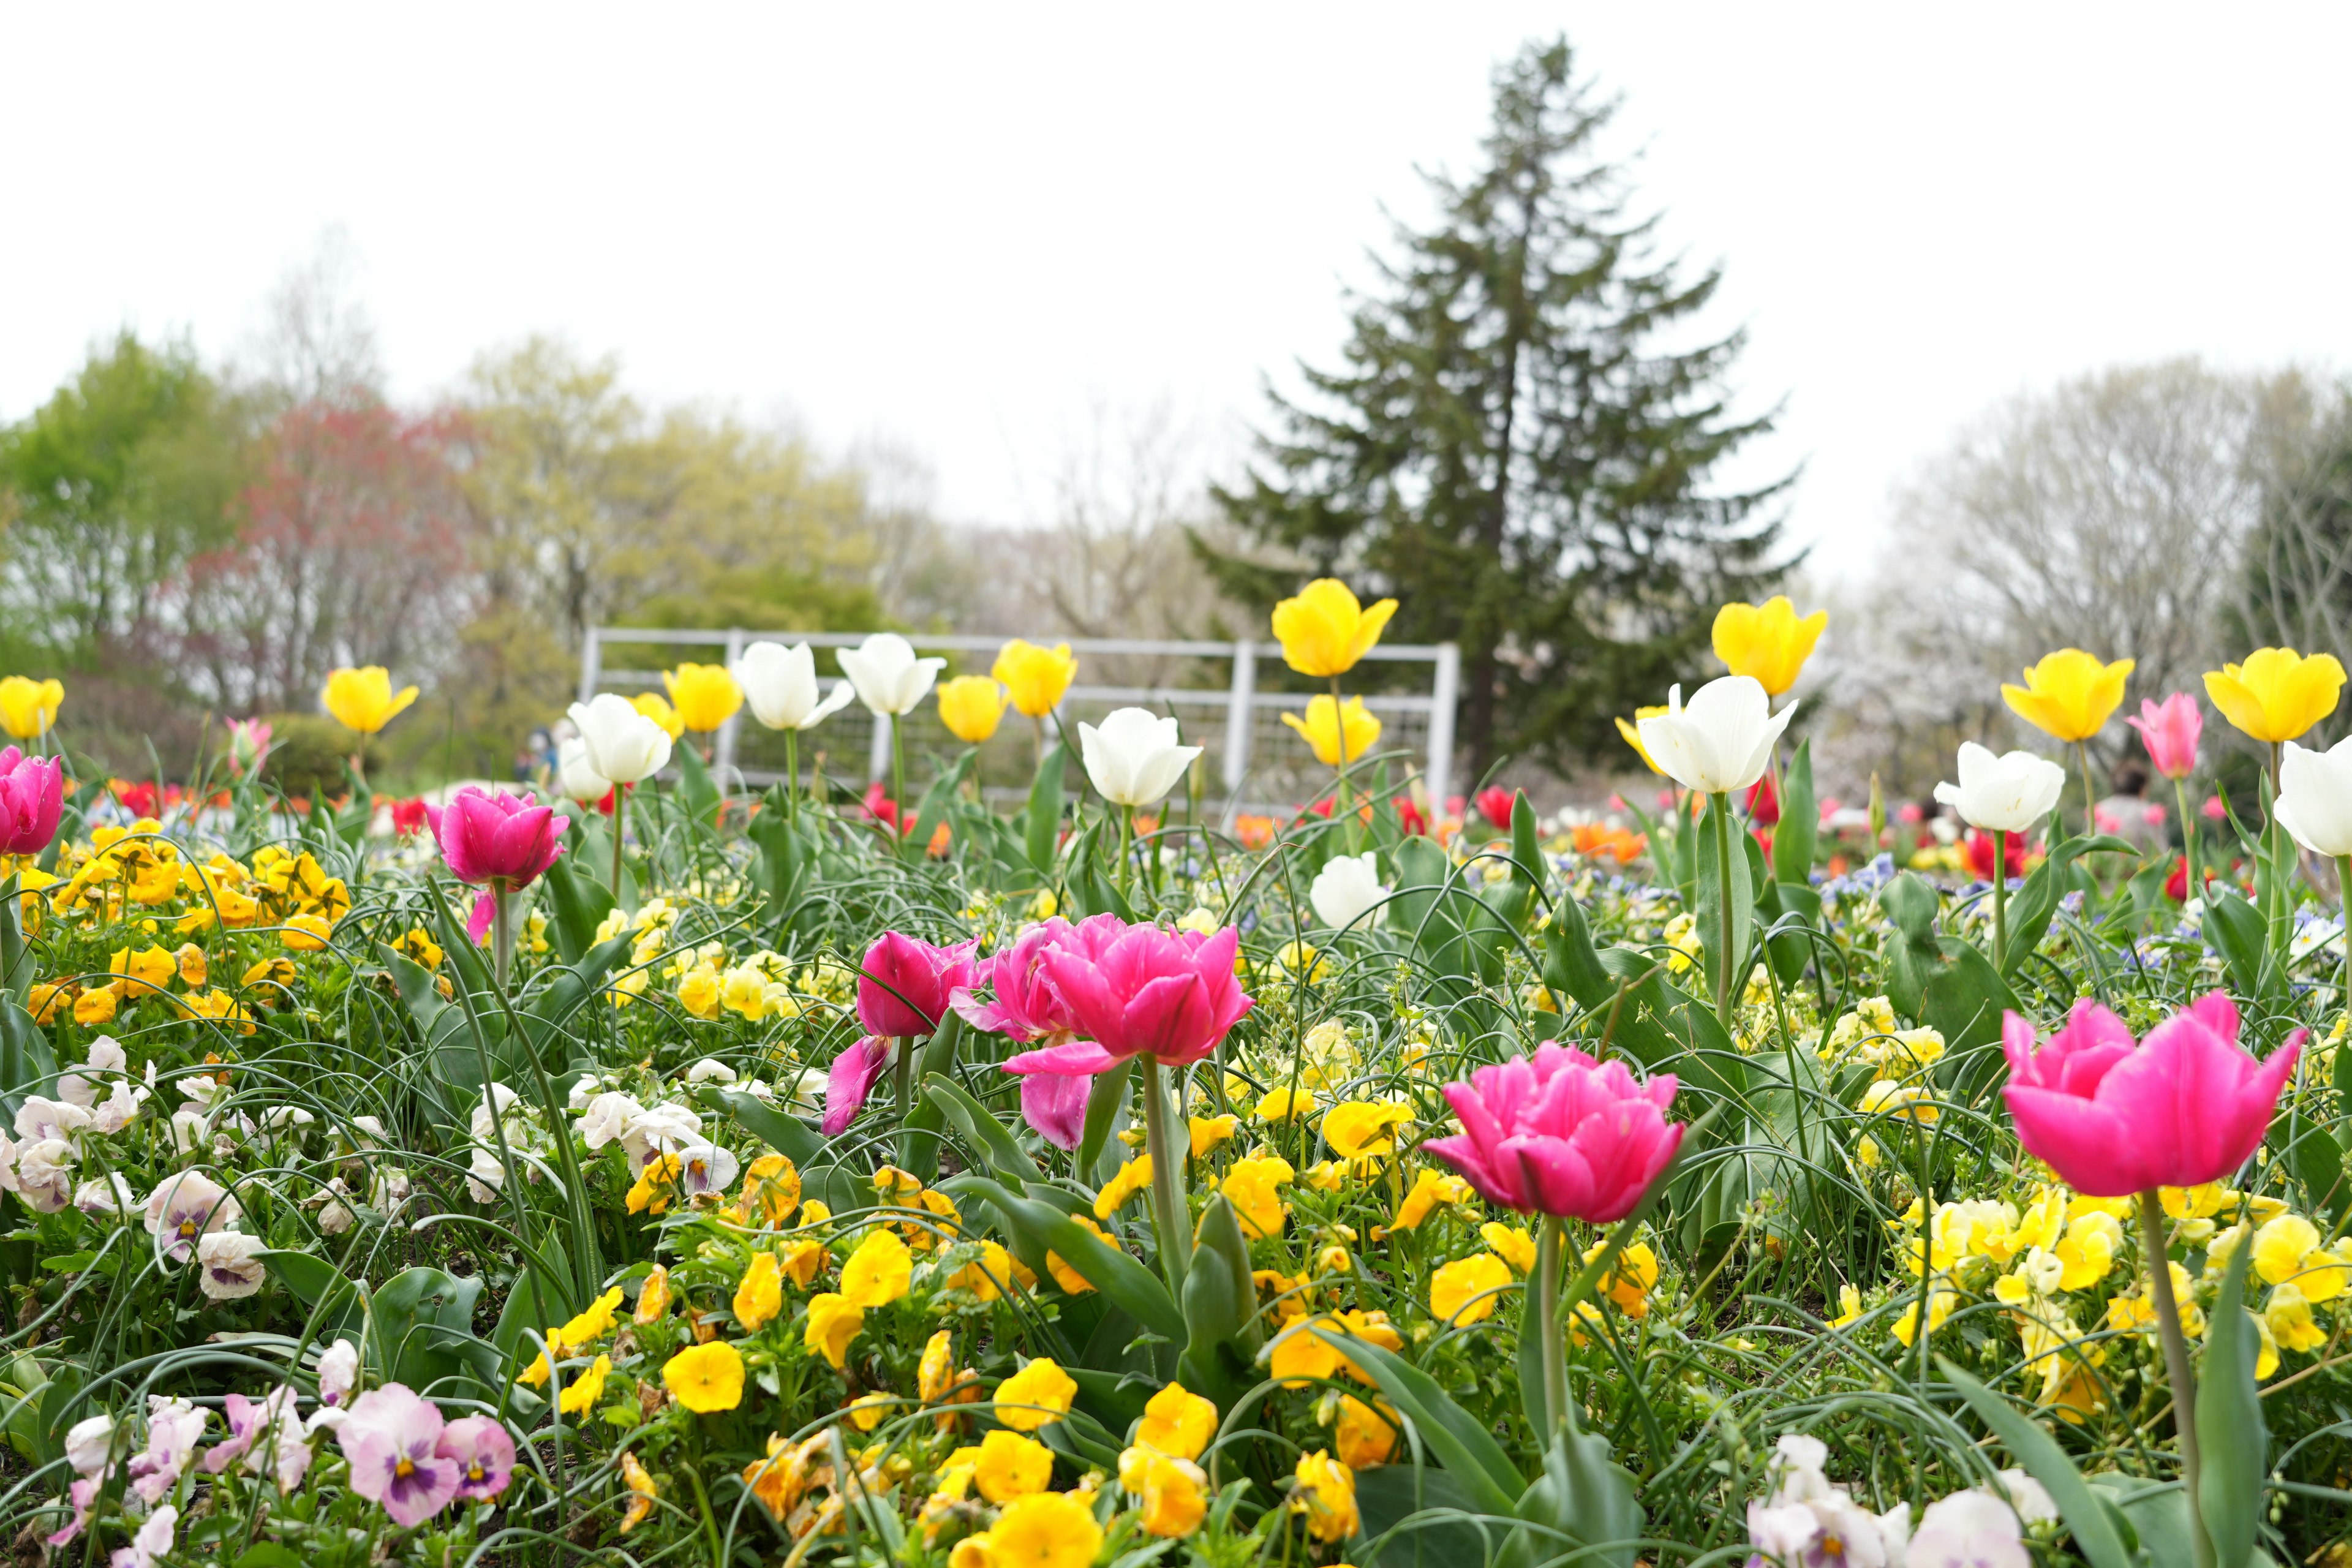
878, 1272
804, 1257
1632, 734
2068, 695
1767, 642
1323, 725
1038, 1395
1463, 1292
656, 707
1173, 1491
707, 695
707, 1378
771, 1189
653, 1298
363, 699
1325, 629
1177, 1422
1035, 676
971, 706
2277, 694
27, 707
1325, 1494
1045, 1529
761, 1296
640, 1491
833, 1322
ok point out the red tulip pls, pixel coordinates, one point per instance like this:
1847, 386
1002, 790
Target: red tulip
411, 817
1561, 1134
1980, 852
1494, 805
2186, 1106
1410, 818
1763, 803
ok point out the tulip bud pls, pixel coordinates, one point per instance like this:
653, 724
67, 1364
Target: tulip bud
1877, 812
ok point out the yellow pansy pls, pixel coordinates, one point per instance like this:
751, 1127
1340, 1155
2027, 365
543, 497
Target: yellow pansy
986, 1275
2277, 694
1359, 1127
1067, 1278
706, 1379
581, 1394
1769, 641
1328, 724
1326, 630
1208, 1132
1941, 1304
1131, 1178
2087, 1253
363, 700
1431, 1189
1465, 1291
971, 706
1511, 1243
1177, 1422
2069, 694
878, 1273
761, 1295
1283, 1105
1365, 1433
2290, 1322
705, 695
1038, 1395
1325, 1492
1045, 1530
833, 1322
1173, 1492
1035, 677
1849, 1308
1630, 1278
1008, 1464
1250, 1186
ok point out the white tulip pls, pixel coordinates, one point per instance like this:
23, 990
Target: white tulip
624, 745
1346, 889
1134, 759
2007, 794
889, 677
2315, 798
1722, 742
577, 776
780, 685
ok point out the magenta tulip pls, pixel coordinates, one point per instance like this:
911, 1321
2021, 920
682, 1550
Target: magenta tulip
906, 984
32, 793
1055, 1106
2188, 1105
1561, 1134
497, 838
1026, 1007
2170, 729
1169, 995
851, 1078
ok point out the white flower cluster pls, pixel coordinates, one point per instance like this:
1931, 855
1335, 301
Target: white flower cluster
1806, 1511
38, 1165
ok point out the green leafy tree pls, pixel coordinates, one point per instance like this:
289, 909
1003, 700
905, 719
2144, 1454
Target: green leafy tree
1507, 450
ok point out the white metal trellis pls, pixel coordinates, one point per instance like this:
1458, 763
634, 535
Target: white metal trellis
1240, 700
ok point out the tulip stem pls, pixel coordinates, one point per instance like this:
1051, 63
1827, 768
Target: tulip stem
899, 828
2343, 904
620, 807
1340, 727
2000, 900
1718, 810
2090, 794
2190, 887
792, 776
502, 929
2176, 1362
1549, 1247
1126, 846
1167, 1179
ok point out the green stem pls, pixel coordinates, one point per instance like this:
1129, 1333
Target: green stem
2001, 899
1340, 725
2176, 1363
502, 934
1126, 846
793, 775
2192, 888
2343, 902
1719, 810
898, 783
902, 1080
1167, 1179
1548, 1246
2090, 793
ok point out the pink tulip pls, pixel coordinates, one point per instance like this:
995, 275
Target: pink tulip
2170, 729
32, 793
1170, 995
1561, 1134
1026, 1007
2213, 810
2186, 1106
497, 838
1054, 1105
851, 1078
906, 984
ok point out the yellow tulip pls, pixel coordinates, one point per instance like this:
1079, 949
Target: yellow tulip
707, 695
1325, 630
1633, 735
656, 707
1323, 725
971, 706
363, 700
2274, 696
27, 707
1037, 676
2070, 694
1768, 641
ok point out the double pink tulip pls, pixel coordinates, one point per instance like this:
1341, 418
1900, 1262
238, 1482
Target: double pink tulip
904, 989
32, 793
2186, 1106
1143, 991
1561, 1134
497, 841
1024, 1006
2170, 729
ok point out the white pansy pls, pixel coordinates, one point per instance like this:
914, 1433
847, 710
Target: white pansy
228, 1265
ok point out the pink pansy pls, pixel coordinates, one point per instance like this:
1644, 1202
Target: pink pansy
497, 838
905, 985
1169, 995
484, 1453
249, 1419
2186, 1106
173, 1428
32, 793
390, 1439
1561, 1134
184, 1207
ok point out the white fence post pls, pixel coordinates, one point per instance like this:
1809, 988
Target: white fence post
1240, 712
1437, 773
592, 664
724, 762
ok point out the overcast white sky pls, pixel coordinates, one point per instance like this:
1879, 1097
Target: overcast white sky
965, 227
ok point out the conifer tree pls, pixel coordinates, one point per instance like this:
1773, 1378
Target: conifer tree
1509, 448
